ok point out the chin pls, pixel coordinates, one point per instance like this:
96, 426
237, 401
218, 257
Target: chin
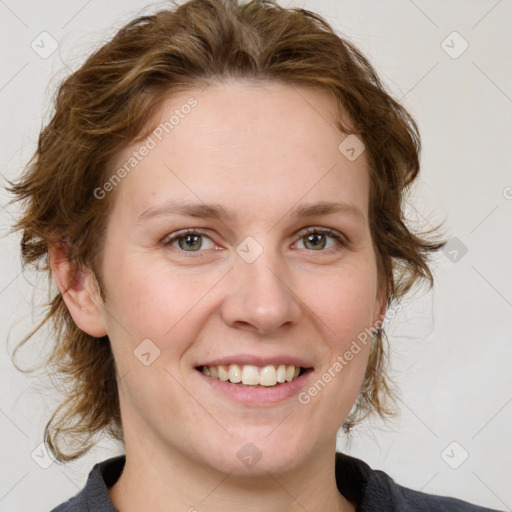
243, 457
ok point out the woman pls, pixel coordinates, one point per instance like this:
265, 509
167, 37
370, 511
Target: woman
218, 196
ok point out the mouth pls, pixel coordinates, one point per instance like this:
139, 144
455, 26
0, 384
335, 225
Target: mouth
248, 375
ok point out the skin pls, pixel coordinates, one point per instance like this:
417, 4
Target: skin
261, 151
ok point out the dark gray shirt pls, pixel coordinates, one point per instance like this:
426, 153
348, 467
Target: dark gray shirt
371, 490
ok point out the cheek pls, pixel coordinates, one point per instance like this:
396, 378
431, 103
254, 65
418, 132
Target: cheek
149, 300
344, 302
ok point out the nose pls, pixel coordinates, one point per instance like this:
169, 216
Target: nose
261, 296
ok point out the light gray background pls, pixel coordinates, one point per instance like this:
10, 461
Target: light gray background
451, 347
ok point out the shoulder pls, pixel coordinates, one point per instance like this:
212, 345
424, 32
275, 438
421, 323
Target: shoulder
94, 496
381, 488
375, 491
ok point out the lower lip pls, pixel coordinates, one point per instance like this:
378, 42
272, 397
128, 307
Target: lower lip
258, 396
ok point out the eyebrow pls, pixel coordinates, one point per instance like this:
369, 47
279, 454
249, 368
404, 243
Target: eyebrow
217, 211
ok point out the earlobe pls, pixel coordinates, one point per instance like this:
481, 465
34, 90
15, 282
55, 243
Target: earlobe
79, 290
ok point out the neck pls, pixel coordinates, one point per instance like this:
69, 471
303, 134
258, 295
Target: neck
158, 480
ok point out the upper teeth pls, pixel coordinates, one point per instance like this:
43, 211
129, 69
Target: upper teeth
252, 375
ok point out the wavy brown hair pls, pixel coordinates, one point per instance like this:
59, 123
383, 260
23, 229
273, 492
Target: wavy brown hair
107, 104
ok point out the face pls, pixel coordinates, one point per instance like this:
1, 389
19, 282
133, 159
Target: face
213, 256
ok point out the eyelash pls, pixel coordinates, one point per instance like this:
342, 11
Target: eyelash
170, 239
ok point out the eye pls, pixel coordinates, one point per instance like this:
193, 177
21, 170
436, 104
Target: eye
188, 240
315, 238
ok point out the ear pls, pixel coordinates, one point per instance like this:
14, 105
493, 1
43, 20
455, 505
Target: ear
381, 305
80, 291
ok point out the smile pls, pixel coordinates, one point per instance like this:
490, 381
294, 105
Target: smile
251, 375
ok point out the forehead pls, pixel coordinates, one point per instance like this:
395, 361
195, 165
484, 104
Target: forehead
241, 141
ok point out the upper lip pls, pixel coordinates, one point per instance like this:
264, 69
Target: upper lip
244, 359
